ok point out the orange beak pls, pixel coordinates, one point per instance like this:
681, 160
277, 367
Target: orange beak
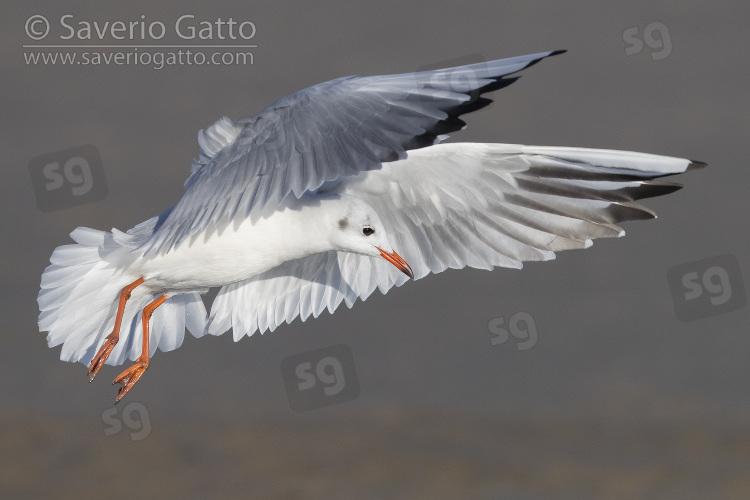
397, 261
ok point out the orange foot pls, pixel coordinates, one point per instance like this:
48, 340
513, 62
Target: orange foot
102, 355
112, 339
129, 377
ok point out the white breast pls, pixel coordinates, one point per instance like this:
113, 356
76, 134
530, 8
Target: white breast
238, 250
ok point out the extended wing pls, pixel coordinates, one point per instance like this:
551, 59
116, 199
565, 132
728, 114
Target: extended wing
457, 205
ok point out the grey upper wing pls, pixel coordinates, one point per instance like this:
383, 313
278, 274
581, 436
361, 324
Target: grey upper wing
334, 129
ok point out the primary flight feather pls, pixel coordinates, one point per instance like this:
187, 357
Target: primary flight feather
304, 205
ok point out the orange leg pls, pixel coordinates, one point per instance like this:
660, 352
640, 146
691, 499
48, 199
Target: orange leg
129, 377
112, 339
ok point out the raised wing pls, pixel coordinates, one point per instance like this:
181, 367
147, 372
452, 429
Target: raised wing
457, 205
323, 133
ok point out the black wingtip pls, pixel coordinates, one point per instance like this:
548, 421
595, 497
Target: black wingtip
695, 165
553, 53
651, 189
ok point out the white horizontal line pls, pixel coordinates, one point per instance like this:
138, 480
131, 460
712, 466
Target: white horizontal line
137, 46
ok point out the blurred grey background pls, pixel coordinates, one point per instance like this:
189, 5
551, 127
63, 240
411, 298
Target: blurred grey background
617, 398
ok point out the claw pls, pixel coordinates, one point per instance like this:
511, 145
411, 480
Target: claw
98, 362
129, 377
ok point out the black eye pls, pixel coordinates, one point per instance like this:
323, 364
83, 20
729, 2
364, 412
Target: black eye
367, 231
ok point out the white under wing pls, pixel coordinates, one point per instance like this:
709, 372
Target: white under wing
457, 205
303, 287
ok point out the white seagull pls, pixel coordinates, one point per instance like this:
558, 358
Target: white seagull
303, 206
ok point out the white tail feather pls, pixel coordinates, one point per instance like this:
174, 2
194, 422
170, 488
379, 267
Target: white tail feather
80, 292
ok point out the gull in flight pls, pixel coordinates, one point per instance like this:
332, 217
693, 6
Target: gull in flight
324, 196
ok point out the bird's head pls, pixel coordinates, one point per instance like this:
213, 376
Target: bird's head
357, 228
